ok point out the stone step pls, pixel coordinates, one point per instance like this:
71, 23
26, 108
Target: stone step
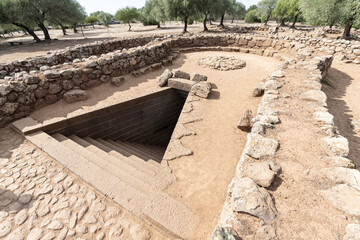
152, 153
120, 147
129, 176
140, 165
115, 151
127, 196
153, 206
145, 150
134, 150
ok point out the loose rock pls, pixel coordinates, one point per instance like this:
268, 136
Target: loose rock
248, 197
164, 77
75, 95
258, 146
245, 123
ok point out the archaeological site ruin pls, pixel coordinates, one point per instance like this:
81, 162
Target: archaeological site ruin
215, 135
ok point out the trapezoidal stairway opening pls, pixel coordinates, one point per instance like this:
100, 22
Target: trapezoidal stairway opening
140, 127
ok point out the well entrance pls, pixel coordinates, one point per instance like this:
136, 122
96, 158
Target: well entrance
142, 126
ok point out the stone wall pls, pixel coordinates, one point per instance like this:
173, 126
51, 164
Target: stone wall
72, 54
25, 92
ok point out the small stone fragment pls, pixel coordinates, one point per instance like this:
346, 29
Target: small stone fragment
245, 121
181, 74
118, 81
75, 95
222, 234
164, 77
199, 78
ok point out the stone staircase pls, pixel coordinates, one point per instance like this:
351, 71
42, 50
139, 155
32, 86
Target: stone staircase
129, 173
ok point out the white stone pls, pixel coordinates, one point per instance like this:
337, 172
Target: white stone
258, 146
343, 175
35, 234
343, 197
248, 197
21, 217
314, 95
5, 228
352, 232
260, 173
336, 146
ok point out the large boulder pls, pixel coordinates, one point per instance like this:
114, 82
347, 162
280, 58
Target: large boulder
163, 79
201, 89
75, 96
249, 198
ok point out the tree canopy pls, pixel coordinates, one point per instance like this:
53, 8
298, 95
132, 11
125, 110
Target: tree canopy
344, 12
127, 15
265, 9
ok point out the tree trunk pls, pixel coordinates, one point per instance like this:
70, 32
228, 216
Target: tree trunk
346, 34
210, 22
232, 20
332, 24
45, 31
205, 27
93, 26
185, 24
282, 23
267, 19
63, 29
294, 22
158, 26
222, 21
31, 32
74, 27
129, 26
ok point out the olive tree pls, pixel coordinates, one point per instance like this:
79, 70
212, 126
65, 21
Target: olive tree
265, 9
127, 15
344, 12
182, 9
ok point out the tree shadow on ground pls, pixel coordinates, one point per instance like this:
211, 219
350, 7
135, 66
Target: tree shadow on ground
339, 82
13, 203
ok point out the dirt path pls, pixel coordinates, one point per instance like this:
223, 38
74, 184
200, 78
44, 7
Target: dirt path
202, 178
343, 100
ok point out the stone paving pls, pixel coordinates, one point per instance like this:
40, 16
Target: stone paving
39, 199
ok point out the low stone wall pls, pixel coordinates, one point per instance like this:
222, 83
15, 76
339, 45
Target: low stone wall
71, 54
245, 189
25, 92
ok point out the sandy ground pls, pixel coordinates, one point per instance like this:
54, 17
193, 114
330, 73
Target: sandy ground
202, 179
343, 100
